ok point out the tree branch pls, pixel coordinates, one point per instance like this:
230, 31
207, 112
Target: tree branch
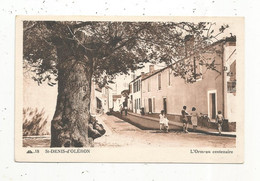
89, 49
82, 24
30, 27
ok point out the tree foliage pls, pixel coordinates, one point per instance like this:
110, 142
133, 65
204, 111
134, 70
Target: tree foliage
109, 48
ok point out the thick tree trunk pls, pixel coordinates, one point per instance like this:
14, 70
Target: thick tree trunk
72, 124
69, 126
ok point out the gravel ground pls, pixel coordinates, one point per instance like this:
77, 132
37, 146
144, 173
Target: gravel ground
122, 134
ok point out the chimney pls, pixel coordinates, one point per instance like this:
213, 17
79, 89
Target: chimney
142, 74
151, 68
189, 44
133, 76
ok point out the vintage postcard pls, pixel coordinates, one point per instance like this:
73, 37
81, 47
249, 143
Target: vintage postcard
129, 89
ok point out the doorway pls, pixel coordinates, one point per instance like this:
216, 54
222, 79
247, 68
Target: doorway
150, 105
165, 105
132, 104
153, 104
212, 104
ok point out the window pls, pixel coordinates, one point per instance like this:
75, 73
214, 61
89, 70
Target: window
231, 86
159, 82
137, 86
130, 88
139, 103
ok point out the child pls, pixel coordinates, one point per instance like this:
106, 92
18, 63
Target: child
163, 121
166, 123
184, 119
219, 120
194, 118
121, 109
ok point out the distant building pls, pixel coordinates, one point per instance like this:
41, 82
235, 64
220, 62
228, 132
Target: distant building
134, 103
210, 92
135, 93
101, 99
117, 101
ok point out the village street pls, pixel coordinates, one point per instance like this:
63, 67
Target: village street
120, 133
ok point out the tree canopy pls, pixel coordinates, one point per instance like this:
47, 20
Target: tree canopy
109, 48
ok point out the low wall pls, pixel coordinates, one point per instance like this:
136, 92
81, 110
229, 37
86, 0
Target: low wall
144, 123
203, 121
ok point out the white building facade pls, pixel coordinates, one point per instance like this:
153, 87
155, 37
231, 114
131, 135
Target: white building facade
134, 100
212, 91
101, 99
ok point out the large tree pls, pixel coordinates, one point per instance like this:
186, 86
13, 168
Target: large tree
75, 53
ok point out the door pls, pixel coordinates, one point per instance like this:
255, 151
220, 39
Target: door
213, 110
165, 105
132, 103
212, 104
150, 105
153, 104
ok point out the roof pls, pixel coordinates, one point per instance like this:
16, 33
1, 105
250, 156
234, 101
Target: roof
227, 39
125, 91
115, 97
135, 79
149, 74
145, 75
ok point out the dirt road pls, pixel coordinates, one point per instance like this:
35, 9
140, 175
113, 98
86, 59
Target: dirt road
120, 133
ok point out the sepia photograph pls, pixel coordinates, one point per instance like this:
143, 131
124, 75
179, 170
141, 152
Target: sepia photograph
145, 87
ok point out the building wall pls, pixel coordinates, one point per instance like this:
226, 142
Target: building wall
110, 99
135, 97
230, 75
180, 93
116, 104
105, 96
105, 101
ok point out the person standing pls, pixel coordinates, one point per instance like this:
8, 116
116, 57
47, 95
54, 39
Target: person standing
125, 107
219, 120
194, 118
121, 109
184, 118
161, 121
164, 122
